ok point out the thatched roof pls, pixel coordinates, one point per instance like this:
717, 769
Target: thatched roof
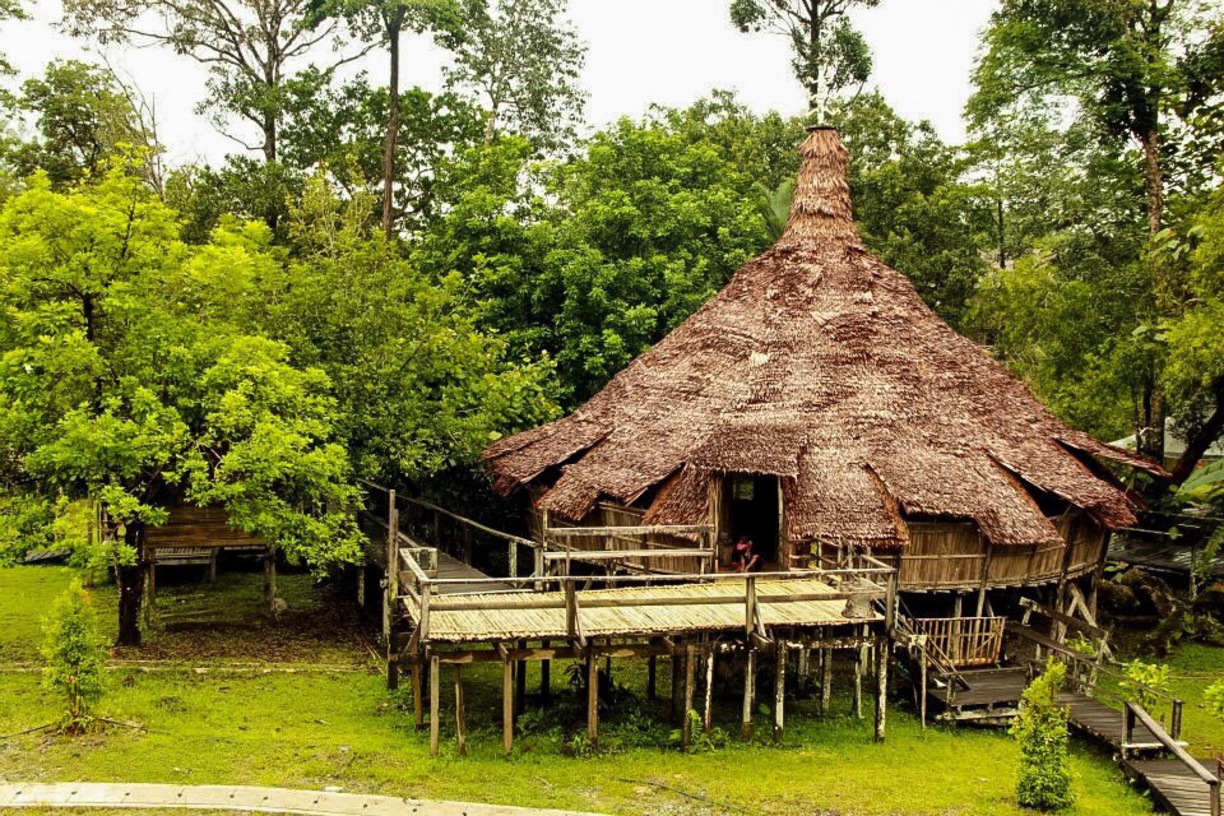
821, 365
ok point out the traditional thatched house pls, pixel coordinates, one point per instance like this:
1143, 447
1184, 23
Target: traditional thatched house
817, 405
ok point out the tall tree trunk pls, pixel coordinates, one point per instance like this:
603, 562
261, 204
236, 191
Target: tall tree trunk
490, 131
815, 109
395, 23
1200, 441
1153, 177
1151, 443
131, 586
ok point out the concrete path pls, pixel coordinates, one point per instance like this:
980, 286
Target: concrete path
239, 798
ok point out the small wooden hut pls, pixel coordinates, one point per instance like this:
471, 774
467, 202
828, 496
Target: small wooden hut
817, 405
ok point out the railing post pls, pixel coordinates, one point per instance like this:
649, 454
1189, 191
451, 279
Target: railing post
1175, 720
513, 559
424, 624
890, 600
750, 601
571, 610
1129, 731
391, 590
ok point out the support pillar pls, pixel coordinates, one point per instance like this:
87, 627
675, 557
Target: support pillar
779, 719
686, 722
881, 659
418, 701
677, 666
435, 705
507, 706
749, 694
708, 714
460, 715
592, 699
546, 677
651, 672
826, 680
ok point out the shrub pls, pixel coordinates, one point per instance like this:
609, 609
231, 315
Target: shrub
1145, 682
1215, 698
1041, 728
75, 652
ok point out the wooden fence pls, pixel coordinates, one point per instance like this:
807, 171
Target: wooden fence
965, 641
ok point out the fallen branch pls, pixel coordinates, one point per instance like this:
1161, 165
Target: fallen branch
47, 727
695, 796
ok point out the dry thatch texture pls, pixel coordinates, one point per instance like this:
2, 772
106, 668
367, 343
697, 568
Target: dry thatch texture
821, 365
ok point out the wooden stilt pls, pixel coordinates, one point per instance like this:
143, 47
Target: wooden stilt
546, 676
460, 714
212, 566
435, 705
361, 584
686, 724
826, 680
881, 659
592, 699
803, 667
922, 691
651, 672
677, 665
779, 720
708, 714
507, 706
520, 683
859, 668
418, 702
749, 694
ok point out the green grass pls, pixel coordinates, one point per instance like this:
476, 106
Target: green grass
324, 728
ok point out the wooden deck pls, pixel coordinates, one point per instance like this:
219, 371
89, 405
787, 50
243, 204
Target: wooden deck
1174, 787
636, 611
987, 687
450, 568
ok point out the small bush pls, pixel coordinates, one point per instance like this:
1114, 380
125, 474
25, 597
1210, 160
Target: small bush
1041, 728
1146, 681
1215, 698
75, 652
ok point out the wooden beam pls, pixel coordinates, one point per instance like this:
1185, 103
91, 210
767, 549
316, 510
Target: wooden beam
435, 706
655, 529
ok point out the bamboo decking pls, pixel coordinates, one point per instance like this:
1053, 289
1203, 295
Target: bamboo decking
637, 611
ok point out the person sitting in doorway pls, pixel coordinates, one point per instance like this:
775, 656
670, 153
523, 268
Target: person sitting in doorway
743, 558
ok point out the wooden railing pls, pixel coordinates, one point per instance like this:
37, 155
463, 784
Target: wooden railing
1137, 714
965, 641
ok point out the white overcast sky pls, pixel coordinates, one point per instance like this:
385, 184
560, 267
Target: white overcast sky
641, 52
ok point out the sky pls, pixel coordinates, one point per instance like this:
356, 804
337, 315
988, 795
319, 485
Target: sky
669, 52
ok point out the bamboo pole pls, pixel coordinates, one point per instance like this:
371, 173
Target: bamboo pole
418, 702
592, 698
826, 680
686, 725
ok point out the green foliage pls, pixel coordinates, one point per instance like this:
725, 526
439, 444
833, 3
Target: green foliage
76, 654
1146, 683
522, 59
1041, 728
1214, 696
828, 54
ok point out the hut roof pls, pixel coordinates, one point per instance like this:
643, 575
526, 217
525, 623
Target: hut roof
821, 365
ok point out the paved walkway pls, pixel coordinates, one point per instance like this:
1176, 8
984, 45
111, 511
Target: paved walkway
238, 798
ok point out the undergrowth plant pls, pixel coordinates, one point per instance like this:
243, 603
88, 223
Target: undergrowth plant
1041, 728
1215, 698
1145, 682
75, 652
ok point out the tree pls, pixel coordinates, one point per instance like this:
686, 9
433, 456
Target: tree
523, 60
82, 119
10, 10
1128, 67
385, 21
118, 383
829, 54
249, 47
1041, 728
419, 388
76, 654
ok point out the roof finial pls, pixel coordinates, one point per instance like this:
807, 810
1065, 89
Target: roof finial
821, 208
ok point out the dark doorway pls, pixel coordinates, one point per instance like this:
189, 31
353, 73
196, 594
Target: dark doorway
754, 504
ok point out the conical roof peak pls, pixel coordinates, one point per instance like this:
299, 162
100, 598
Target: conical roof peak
821, 211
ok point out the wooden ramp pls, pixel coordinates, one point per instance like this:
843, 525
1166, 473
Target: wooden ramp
452, 569
1175, 788
1102, 722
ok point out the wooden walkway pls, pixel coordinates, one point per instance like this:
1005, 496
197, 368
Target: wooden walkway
1102, 722
452, 568
636, 611
1174, 787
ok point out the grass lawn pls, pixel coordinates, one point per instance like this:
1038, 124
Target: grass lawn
320, 728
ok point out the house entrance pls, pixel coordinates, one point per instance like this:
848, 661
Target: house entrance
754, 503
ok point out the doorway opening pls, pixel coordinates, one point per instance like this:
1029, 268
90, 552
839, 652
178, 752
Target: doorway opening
755, 503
